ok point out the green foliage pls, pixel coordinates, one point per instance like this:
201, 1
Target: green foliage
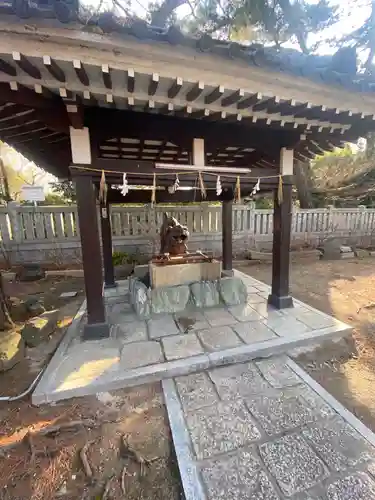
121, 258
65, 190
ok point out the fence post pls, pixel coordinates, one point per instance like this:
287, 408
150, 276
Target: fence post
15, 221
251, 228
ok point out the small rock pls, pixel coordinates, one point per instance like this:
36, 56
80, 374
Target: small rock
12, 350
35, 306
37, 330
31, 272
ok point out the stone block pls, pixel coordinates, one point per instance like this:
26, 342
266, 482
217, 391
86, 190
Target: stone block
169, 299
191, 320
357, 486
162, 326
238, 380
219, 338
277, 372
237, 477
245, 312
340, 446
205, 294
232, 291
12, 350
219, 317
196, 391
179, 274
278, 411
181, 346
134, 331
286, 326
30, 272
141, 354
38, 329
294, 465
140, 299
254, 331
221, 428
141, 271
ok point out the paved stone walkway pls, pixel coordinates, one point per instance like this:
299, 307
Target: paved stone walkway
264, 430
141, 351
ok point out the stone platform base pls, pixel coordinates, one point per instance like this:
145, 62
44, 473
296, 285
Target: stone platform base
230, 291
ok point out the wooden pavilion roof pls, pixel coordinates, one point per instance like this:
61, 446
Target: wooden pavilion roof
146, 92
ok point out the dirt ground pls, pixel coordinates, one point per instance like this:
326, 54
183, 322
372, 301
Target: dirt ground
346, 290
125, 434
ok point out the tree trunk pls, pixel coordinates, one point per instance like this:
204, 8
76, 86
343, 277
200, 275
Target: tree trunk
6, 322
302, 175
160, 16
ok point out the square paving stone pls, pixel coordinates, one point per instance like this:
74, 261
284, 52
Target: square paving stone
245, 312
238, 380
338, 443
196, 391
254, 331
354, 487
220, 428
162, 326
141, 354
286, 326
219, 317
221, 337
237, 477
280, 412
130, 332
313, 399
191, 320
181, 346
277, 373
254, 298
267, 311
292, 462
314, 320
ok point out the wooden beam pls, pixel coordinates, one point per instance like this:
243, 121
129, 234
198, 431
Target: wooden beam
81, 72
227, 235
27, 97
195, 92
54, 69
233, 98
250, 101
75, 113
214, 95
178, 130
131, 80
148, 167
106, 74
263, 106
175, 88
26, 65
153, 85
91, 259
282, 222
7, 68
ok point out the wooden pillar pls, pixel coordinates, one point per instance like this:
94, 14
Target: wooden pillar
105, 222
226, 221
282, 224
96, 326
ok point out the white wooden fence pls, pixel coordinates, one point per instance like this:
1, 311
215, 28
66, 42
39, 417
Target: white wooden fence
42, 229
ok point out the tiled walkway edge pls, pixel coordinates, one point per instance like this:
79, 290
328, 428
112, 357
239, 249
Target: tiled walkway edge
330, 449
